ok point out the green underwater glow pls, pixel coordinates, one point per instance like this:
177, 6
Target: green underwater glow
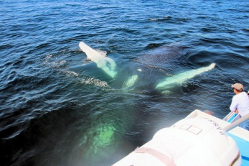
98, 138
105, 135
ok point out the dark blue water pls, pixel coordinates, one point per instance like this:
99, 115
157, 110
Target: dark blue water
58, 109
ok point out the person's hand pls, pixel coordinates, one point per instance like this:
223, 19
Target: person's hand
236, 111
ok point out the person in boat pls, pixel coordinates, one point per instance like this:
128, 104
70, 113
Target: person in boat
240, 103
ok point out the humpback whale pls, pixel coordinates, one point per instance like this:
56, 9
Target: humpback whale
109, 66
145, 74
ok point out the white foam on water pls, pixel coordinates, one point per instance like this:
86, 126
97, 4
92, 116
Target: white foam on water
94, 81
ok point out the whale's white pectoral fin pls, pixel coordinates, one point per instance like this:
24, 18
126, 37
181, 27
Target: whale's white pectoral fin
182, 77
91, 54
106, 64
112, 64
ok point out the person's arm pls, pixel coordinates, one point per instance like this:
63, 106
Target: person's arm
234, 104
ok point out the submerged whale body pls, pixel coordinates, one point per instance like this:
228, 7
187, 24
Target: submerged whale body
139, 77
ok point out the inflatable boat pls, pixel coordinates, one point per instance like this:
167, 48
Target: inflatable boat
200, 139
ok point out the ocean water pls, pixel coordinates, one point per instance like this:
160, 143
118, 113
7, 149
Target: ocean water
59, 109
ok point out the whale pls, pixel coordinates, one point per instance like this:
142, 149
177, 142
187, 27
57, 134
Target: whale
109, 66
